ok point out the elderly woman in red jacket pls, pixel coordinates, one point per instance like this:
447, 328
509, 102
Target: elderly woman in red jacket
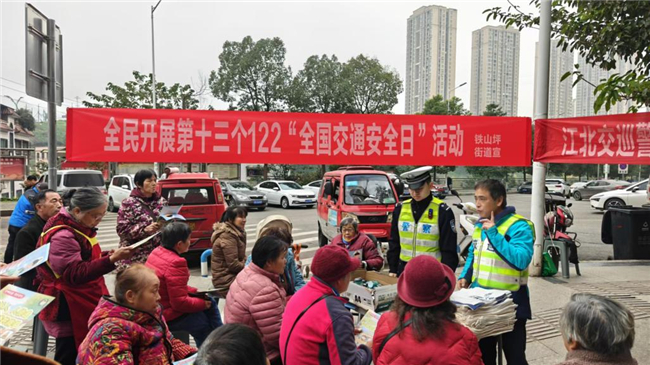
423, 318
359, 244
198, 315
257, 299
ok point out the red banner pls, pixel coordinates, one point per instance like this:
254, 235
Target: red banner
12, 168
145, 135
623, 138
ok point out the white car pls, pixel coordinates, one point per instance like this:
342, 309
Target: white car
287, 193
558, 186
634, 195
314, 185
119, 189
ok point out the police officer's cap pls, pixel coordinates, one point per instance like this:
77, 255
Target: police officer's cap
417, 177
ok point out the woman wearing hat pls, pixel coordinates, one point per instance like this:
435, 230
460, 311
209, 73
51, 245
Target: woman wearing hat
422, 317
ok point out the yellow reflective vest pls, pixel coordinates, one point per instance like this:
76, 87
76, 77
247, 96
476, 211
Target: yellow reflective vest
423, 237
490, 270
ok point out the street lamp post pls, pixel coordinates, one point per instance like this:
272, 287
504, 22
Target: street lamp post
153, 57
454, 89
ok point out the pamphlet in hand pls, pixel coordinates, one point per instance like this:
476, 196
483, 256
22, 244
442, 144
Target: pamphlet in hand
28, 262
142, 242
355, 253
189, 361
18, 307
170, 213
367, 325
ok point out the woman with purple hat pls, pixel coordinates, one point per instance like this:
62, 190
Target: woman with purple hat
423, 318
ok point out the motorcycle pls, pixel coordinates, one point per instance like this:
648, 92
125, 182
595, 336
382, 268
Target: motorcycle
466, 221
556, 222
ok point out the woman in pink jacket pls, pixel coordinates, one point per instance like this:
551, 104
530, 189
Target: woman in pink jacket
256, 297
183, 310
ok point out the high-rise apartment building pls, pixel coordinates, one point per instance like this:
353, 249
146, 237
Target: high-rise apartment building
585, 97
560, 94
495, 69
430, 55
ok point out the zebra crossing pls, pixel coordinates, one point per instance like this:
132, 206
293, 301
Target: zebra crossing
109, 240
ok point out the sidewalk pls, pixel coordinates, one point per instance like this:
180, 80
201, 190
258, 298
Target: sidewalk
625, 281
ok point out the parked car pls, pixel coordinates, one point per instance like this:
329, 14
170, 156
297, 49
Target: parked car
118, 190
577, 185
635, 195
241, 193
597, 186
202, 203
440, 191
73, 179
314, 185
558, 186
358, 191
525, 188
287, 193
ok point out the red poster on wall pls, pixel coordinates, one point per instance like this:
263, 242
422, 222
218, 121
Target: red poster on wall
607, 139
12, 168
145, 135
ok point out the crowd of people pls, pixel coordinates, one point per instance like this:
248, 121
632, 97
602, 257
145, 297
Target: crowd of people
272, 315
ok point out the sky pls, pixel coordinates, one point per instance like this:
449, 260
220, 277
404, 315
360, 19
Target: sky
104, 41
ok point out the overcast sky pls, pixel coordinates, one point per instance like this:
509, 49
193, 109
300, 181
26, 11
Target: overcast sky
105, 41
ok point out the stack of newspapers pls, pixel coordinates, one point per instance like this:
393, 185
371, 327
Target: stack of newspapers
486, 312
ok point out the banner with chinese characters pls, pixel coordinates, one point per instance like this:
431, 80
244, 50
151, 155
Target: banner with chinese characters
145, 135
623, 138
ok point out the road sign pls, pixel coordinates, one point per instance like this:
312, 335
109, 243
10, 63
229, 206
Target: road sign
623, 168
36, 65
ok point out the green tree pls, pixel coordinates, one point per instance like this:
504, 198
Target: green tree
439, 106
137, 95
493, 110
252, 75
318, 87
370, 87
26, 119
599, 31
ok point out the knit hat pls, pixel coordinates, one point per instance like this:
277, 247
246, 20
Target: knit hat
425, 282
333, 262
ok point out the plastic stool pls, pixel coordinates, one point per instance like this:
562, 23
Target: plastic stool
564, 256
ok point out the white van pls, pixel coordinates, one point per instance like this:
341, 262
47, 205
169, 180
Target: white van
74, 179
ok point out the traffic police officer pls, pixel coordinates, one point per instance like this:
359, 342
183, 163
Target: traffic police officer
422, 225
502, 249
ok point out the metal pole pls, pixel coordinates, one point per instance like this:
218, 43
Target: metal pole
51, 104
156, 166
539, 169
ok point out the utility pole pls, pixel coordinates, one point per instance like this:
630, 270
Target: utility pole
51, 104
539, 169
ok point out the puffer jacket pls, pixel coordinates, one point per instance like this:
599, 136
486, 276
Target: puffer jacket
257, 300
228, 255
369, 252
122, 335
171, 269
458, 345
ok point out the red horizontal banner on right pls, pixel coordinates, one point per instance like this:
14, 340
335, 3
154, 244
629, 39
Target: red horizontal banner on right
606, 139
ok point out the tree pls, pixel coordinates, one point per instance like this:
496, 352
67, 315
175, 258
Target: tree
438, 106
599, 31
137, 95
252, 75
493, 110
370, 87
318, 87
26, 119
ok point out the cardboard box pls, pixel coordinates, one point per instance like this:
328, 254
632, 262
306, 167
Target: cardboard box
379, 299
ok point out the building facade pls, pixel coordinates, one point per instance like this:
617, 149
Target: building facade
495, 69
560, 94
16, 153
430, 56
585, 98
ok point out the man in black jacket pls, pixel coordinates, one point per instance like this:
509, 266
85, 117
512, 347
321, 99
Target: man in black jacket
422, 225
47, 204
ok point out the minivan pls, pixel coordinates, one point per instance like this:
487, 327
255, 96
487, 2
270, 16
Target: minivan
74, 179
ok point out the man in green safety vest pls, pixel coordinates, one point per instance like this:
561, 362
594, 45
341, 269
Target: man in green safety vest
502, 248
422, 225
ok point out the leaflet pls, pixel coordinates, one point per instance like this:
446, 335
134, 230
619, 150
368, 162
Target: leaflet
189, 361
142, 242
27, 262
170, 213
18, 307
367, 325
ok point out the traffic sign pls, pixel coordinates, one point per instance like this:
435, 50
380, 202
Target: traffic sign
37, 69
623, 168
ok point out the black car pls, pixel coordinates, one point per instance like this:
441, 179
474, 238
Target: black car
525, 188
242, 194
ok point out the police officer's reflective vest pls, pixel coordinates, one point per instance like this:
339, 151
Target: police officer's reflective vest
490, 270
420, 238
